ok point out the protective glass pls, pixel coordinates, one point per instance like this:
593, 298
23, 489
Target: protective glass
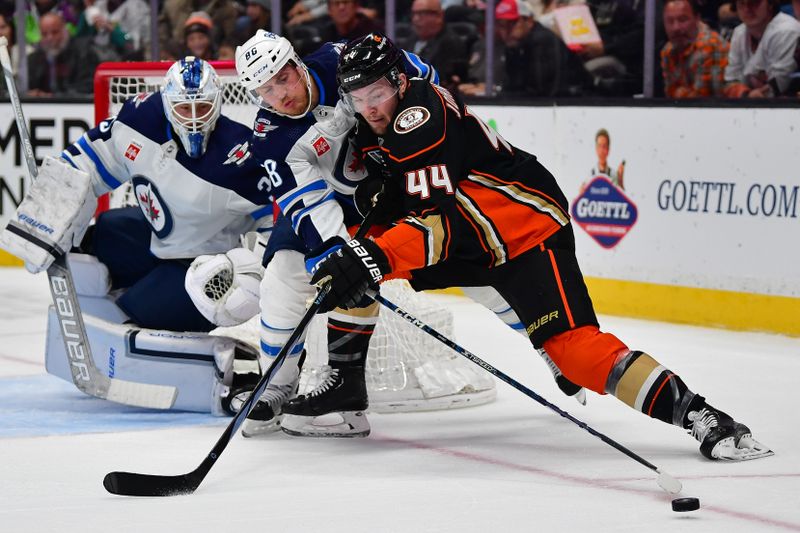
371, 96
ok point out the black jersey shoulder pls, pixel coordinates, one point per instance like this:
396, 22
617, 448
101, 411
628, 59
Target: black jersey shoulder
419, 124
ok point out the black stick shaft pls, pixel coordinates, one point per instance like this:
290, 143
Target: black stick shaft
511, 381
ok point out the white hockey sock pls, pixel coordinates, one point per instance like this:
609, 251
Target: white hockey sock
285, 290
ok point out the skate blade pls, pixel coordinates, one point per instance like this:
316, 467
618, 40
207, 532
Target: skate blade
747, 450
260, 428
580, 396
346, 424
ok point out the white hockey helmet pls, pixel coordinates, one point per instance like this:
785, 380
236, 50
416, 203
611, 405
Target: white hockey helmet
260, 58
192, 97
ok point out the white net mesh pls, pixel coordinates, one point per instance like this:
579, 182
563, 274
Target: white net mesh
407, 370
235, 102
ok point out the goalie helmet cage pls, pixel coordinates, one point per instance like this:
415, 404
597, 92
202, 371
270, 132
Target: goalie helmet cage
406, 370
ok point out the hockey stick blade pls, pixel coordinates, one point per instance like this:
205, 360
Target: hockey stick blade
132, 484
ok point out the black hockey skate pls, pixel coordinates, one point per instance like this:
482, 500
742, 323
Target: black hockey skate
335, 408
721, 437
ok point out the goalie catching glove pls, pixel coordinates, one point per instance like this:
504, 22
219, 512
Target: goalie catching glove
52, 217
225, 287
352, 268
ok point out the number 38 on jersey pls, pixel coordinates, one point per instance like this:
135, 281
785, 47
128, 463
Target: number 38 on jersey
420, 181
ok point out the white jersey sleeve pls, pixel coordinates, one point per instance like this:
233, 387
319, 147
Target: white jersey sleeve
194, 206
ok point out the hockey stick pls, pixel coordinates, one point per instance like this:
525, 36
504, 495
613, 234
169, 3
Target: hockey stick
134, 484
664, 480
85, 375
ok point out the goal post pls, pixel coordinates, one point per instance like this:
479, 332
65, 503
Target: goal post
406, 370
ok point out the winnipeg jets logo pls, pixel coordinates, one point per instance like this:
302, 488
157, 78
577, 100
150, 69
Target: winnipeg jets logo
152, 205
262, 127
410, 119
238, 154
148, 207
356, 162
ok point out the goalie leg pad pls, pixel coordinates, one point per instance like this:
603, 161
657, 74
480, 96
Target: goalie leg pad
52, 217
90, 276
186, 361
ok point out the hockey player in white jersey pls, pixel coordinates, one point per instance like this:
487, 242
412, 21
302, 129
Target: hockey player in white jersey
302, 142
197, 191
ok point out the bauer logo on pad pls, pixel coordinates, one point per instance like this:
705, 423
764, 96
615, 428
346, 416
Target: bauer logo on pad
604, 212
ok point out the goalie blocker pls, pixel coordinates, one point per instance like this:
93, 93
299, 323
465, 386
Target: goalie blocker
52, 217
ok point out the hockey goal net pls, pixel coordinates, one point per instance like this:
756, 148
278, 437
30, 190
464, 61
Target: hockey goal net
407, 370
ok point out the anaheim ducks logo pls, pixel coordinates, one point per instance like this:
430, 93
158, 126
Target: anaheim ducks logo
410, 119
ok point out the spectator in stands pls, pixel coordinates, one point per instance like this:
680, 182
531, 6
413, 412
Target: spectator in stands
619, 57
7, 31
693, 61
304, 11
61, 65
172, 19
106, 37
346, 21
537, 62
256, 17
197, 36
38, 8
133, 18
227, 51
761, 57
436, 44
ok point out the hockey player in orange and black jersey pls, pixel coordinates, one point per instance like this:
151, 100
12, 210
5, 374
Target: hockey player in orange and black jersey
471, 209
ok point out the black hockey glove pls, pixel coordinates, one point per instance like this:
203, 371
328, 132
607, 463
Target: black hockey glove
353, 268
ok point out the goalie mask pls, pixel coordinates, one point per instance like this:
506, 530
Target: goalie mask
272, 73
192, 97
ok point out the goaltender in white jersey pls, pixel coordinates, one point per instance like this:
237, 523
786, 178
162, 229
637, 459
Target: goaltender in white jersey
197, 191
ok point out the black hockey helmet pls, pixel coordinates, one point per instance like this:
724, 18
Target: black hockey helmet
367, 59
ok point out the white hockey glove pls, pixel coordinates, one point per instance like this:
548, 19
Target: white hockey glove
52, 217
225, 287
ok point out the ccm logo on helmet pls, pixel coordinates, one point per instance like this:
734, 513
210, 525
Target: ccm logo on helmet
351, 78
367, 259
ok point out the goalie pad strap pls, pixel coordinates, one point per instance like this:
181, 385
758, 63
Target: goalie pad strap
20, 231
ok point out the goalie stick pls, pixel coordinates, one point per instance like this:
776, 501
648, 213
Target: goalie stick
664, 480
85, 375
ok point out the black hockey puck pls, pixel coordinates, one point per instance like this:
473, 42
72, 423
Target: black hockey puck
682, 505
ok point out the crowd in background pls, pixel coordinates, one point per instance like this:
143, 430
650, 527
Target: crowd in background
704, 48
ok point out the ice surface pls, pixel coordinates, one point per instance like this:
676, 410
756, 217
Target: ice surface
508, 466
